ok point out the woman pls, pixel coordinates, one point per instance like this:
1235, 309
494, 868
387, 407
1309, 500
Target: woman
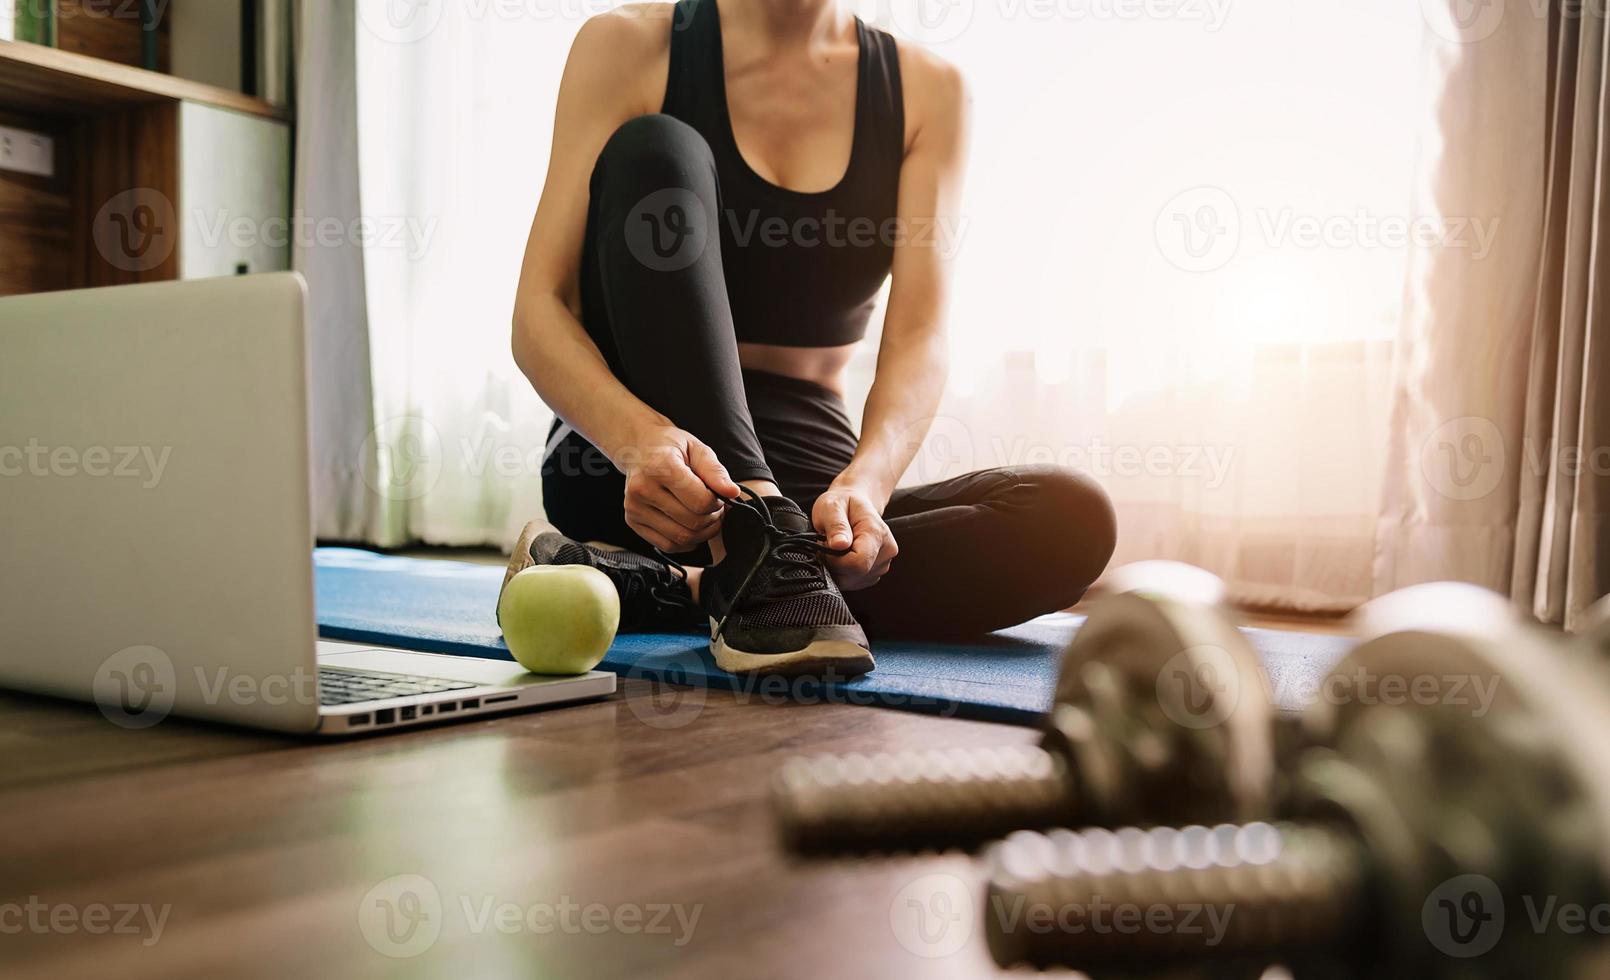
732, 182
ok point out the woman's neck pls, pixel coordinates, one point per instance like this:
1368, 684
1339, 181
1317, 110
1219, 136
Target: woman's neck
788, 23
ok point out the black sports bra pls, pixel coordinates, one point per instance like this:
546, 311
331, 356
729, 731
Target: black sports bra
803, 268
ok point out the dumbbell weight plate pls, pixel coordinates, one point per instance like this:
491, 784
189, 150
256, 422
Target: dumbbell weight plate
1164, 708
1465, 747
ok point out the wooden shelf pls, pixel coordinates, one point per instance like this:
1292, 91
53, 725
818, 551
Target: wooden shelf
37, 79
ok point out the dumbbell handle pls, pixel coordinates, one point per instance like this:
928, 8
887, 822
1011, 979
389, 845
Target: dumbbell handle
920, 800
1169, 897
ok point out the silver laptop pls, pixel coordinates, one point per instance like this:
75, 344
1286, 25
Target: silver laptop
155, 523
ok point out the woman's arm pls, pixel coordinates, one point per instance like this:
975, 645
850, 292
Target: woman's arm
913, 359
670, 474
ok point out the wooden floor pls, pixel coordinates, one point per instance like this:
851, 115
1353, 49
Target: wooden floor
545, 844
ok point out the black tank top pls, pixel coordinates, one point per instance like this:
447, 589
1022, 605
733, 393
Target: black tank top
803, 269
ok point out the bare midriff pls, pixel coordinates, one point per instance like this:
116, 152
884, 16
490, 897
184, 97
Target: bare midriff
822, 365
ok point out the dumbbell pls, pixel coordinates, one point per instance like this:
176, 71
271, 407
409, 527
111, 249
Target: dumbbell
1161, 712
1428, 825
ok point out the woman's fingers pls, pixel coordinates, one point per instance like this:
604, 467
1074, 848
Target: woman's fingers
689, 489
659, 529
702, 460
662, 500
832, 521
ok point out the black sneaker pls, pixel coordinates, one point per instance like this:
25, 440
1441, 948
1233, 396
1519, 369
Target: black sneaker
654, 593
773, 607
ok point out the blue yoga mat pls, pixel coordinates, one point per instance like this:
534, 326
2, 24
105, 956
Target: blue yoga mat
449, 607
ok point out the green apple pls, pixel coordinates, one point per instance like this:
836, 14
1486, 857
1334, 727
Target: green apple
559, 619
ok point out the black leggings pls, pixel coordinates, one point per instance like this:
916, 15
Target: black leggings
977, 553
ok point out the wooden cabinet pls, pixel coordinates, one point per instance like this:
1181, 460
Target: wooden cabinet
156, 177
234, 193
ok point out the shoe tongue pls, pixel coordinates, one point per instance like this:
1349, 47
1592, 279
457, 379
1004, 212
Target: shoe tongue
786, 515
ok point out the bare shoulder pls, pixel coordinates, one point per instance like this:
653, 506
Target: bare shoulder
937, 97
628, 49
638, 28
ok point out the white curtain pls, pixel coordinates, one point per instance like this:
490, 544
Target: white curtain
1501, 468
1181, 265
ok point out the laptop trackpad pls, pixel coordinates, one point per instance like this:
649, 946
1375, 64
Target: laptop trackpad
475, 670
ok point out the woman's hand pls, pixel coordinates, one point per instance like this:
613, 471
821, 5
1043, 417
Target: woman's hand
850, 517
674, 488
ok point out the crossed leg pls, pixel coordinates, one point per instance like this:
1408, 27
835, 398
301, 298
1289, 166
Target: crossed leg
977, 553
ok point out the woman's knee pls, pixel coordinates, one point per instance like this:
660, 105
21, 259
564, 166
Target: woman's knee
1076, 517
654, 152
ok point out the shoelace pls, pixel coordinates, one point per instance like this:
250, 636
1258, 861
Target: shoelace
801, 552
667, 594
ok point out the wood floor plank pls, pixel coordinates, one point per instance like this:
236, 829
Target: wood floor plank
264, 850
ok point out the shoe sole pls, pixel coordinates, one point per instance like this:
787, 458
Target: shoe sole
824, 657
520, 559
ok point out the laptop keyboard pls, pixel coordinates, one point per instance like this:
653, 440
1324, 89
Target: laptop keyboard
340, 686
